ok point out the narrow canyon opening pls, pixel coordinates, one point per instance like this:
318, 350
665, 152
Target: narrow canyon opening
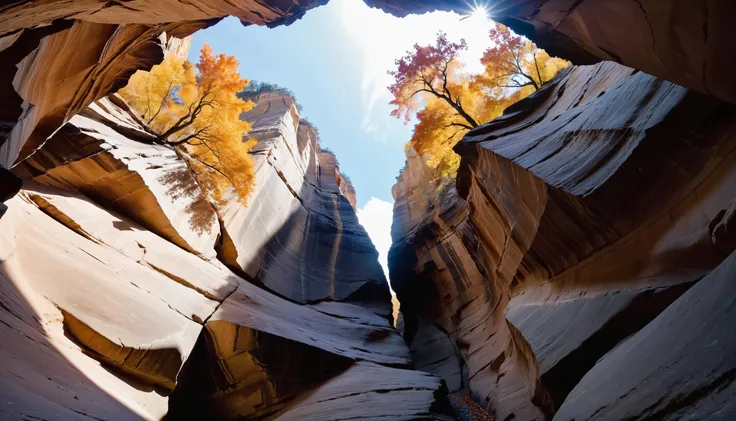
179, 242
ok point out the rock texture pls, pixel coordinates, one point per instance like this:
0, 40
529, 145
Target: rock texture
299, 236
688, 42
415, 398
46, 82
109, 314
106, 154
581, 214
579, 218
680, 366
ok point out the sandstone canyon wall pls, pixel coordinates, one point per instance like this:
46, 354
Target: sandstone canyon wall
115, 306
580, 215
84, 50
578, 270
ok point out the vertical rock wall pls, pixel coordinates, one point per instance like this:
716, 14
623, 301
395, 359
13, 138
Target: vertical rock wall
583, 212
299, 236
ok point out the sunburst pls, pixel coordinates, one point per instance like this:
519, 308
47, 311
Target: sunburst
477, 11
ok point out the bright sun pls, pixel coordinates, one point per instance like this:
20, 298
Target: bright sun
479, 11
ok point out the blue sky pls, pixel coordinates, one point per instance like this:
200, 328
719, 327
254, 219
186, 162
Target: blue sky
335, 61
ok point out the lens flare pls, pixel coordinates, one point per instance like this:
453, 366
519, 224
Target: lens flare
477, 11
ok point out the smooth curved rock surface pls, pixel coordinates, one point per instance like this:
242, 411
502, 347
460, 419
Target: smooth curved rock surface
299, 235
105, 153
680, 366
440, 277
109, 320
369, 392
43, 371
589, 207
55, 81
209, 278
126, 315
266, 350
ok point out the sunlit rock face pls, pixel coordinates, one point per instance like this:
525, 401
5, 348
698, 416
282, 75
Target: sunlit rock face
114, 305
106, 153
299, 236
582, 213
58, 57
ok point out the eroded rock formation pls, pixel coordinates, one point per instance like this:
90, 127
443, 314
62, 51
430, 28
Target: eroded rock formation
582, 213
114, 305
548, 280
688, 42
299, 235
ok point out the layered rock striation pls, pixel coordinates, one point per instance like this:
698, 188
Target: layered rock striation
114, 306
90, 49
299, 235
580, 215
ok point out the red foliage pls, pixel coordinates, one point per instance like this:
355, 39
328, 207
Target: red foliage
423, 69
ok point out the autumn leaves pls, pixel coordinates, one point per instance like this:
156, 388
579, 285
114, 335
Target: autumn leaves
198, 112
196, 109
430, 82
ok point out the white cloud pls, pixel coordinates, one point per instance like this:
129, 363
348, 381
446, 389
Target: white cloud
376, 217
382, 38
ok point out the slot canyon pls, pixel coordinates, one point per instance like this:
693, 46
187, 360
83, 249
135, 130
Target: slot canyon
582, 266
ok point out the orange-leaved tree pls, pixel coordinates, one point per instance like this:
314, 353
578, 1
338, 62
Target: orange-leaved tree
448, 102
427, 72
196, 109
515, 62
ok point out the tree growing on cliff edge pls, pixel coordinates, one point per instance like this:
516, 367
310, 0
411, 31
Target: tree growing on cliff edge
448, 102
428, 72
515, 62
196, 108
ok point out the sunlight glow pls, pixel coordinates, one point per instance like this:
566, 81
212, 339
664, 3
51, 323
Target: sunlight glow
380, 48
478, 11
376, 217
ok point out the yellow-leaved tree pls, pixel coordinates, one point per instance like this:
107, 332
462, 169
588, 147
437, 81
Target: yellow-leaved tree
429, 81
196, 108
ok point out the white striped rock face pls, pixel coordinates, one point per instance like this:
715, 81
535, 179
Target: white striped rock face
582, 214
